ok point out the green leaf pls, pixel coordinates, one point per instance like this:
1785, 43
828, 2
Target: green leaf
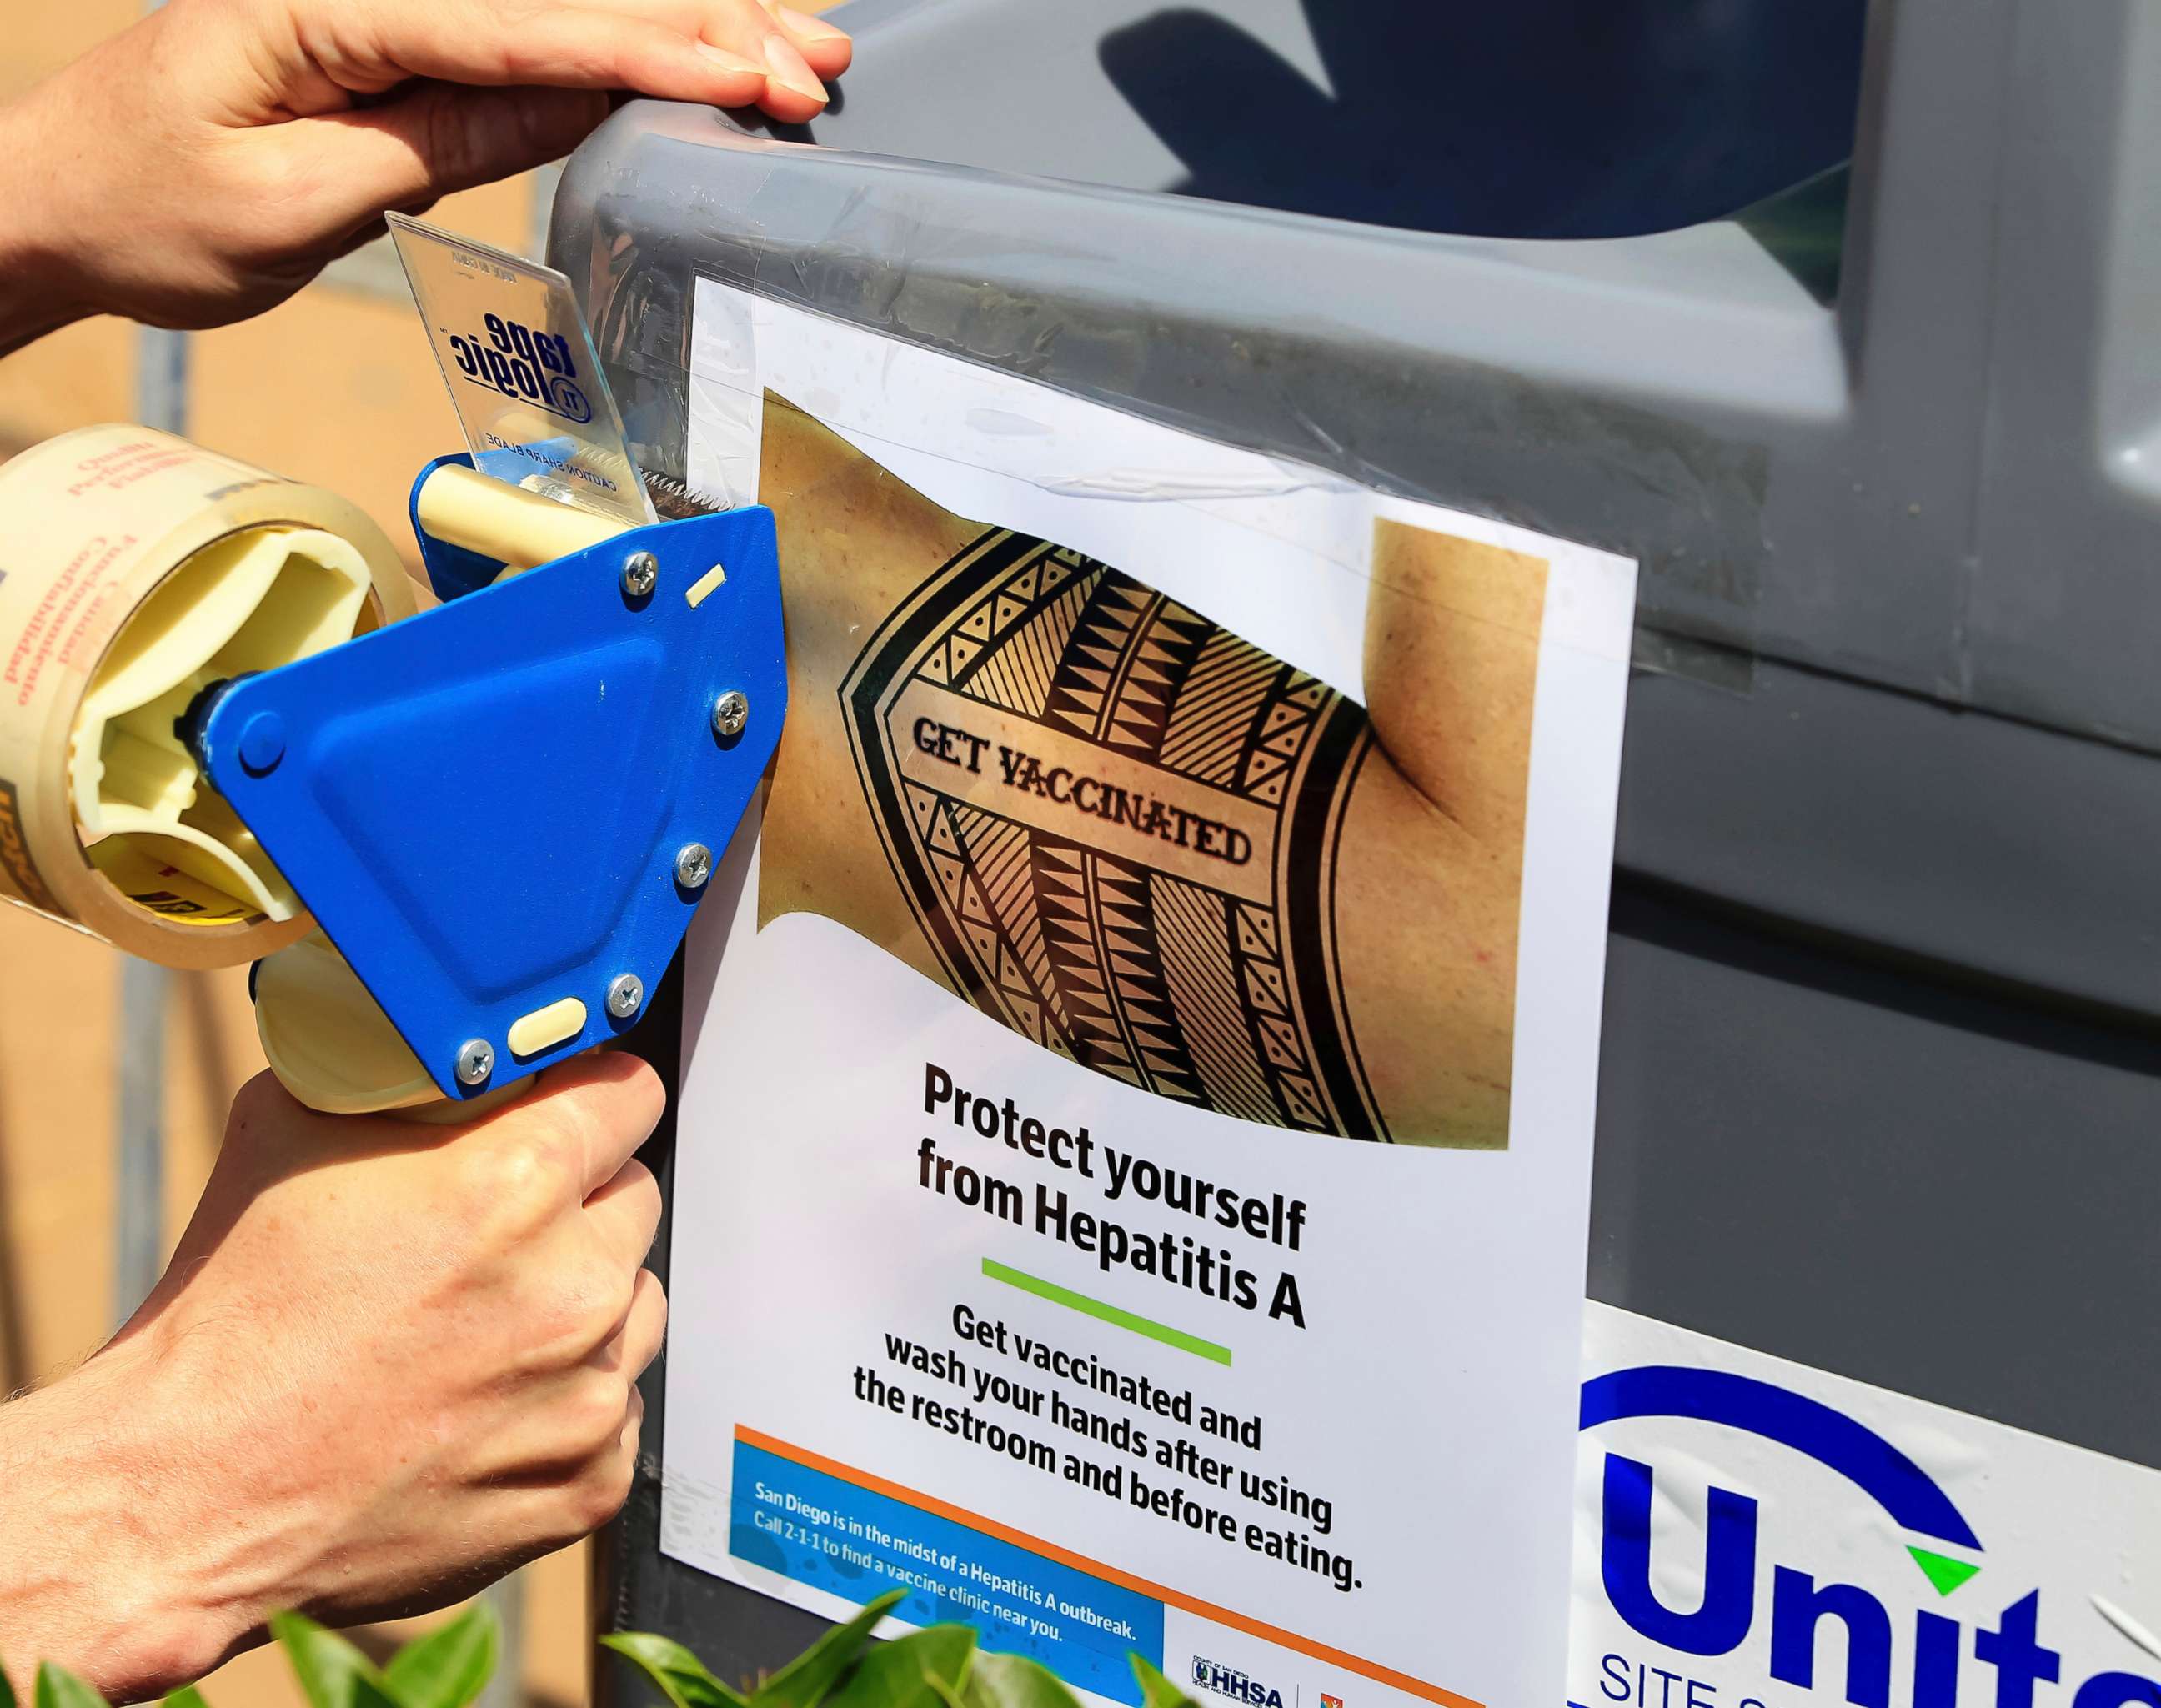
187, 1696
913, 1672
811, 1674
1156, 1690
6, 1690
58, 1688
681, 1676
1012, 1681
449, 1666
331, 1672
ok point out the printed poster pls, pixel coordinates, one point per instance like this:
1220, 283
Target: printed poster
1754, 1533
1136, 1132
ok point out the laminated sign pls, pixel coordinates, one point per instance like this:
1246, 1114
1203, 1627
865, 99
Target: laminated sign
1136, 1135
1753, 1533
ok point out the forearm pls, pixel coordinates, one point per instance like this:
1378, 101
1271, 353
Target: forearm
1103, 762
37, 294
95, 1571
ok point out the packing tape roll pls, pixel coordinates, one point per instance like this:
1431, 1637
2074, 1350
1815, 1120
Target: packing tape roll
135, 569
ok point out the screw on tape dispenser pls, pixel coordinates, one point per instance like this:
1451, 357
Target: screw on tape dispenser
553, 476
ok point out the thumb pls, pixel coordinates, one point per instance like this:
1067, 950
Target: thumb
431, 140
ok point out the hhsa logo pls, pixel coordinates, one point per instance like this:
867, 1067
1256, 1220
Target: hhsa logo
1911, 1630
519, 362
1229, 1681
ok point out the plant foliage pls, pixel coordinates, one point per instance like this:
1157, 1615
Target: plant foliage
940, 1667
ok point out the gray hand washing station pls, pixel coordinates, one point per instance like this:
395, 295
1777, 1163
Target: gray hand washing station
1845, 322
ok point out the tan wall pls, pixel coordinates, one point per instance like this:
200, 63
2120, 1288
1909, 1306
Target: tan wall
332, 390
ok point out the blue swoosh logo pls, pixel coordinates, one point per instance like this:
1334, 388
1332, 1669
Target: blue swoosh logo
1856, 1452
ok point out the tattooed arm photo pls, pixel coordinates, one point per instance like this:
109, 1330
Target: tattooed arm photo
1141, 842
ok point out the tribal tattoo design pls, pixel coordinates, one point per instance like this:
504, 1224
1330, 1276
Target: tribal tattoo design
1118, 825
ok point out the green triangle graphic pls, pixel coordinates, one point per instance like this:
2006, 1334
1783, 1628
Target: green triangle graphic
1945, 1573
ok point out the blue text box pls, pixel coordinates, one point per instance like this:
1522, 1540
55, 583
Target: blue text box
854, 1543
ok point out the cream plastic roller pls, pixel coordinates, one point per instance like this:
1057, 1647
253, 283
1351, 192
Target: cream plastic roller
464, 509
139, 569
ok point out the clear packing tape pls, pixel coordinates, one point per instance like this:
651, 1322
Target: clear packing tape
141, 569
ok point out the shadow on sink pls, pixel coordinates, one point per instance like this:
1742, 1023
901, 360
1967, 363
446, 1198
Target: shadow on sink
1535, 118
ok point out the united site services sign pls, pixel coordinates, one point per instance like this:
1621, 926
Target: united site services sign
1752, 1533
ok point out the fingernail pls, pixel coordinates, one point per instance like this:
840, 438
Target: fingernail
792, 69
803, 24
730, 62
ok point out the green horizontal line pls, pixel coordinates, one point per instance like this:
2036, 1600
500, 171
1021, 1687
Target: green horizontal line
1106, 1313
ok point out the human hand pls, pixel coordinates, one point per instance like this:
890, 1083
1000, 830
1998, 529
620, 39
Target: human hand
205, 163
388, 1362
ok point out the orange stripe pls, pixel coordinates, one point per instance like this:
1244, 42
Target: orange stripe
1095, 1568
